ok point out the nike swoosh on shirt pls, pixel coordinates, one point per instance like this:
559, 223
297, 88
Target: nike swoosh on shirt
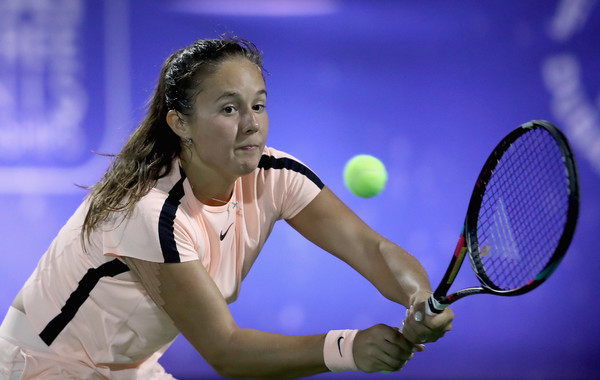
340, 345
223, 234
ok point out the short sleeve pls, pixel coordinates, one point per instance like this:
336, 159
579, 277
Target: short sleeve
293, 184
157, 230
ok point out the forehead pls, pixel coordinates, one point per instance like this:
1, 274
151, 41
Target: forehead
236, 73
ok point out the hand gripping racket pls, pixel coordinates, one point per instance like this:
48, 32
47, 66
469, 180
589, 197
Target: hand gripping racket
521, 216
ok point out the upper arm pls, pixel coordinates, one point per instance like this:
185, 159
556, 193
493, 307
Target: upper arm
193, 301
331, 225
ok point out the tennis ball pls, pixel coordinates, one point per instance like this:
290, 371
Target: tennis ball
365, 175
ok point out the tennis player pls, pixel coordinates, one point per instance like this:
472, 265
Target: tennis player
163, 241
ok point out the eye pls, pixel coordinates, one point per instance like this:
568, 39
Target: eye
259, 107
229, 110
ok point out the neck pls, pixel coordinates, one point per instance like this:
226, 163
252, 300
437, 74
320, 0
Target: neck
208, 188
208, 200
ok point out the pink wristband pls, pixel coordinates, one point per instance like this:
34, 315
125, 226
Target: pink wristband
337, 350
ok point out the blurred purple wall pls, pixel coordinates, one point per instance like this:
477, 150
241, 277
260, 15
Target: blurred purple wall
429, 87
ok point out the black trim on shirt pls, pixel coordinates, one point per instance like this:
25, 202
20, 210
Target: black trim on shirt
269, 162
78, 297
166, 222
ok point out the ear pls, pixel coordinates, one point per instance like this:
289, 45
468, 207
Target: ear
177, 124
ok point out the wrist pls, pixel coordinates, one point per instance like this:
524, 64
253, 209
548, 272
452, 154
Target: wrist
420, 297
338, 350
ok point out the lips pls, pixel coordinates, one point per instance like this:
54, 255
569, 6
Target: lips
248, 147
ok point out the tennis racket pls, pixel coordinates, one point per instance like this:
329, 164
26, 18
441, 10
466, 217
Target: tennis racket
521, 216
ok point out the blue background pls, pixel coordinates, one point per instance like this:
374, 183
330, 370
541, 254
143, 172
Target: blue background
429, 87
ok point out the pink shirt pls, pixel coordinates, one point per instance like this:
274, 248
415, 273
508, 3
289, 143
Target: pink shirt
88, 305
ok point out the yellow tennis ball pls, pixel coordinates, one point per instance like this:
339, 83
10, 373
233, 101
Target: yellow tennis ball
365, 176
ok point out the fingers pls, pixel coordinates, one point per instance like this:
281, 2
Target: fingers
387, 349
419, 327
382, 348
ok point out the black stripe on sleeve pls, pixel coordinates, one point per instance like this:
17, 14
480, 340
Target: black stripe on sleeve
78, 297
270, 162
166, 222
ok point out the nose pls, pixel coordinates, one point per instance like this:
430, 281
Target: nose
250, 122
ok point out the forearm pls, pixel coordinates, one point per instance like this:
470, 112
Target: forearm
258, 354
203, 317
330, 224
397, 274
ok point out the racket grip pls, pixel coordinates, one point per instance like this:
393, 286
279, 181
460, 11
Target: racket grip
434, 306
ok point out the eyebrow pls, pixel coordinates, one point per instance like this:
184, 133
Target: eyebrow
233, 94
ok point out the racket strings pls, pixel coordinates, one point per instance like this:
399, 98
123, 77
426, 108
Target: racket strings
523, 211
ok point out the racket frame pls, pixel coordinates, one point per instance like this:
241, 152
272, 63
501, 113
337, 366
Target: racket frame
468, 244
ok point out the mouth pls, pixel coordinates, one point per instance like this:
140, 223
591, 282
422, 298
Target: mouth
249, 147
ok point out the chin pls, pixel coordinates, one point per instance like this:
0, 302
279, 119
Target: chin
248, 162
247, 167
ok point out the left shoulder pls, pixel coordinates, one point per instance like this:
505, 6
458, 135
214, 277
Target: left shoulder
279, 162
270, 155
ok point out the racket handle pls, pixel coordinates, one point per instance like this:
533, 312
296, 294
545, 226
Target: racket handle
434, 306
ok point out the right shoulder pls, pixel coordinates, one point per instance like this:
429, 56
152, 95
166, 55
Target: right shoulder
165, 196
158, 229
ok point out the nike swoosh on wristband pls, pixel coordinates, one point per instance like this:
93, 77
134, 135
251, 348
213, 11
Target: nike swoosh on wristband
223, 234
340, 345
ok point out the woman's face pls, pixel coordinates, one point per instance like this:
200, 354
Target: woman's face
229, 124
